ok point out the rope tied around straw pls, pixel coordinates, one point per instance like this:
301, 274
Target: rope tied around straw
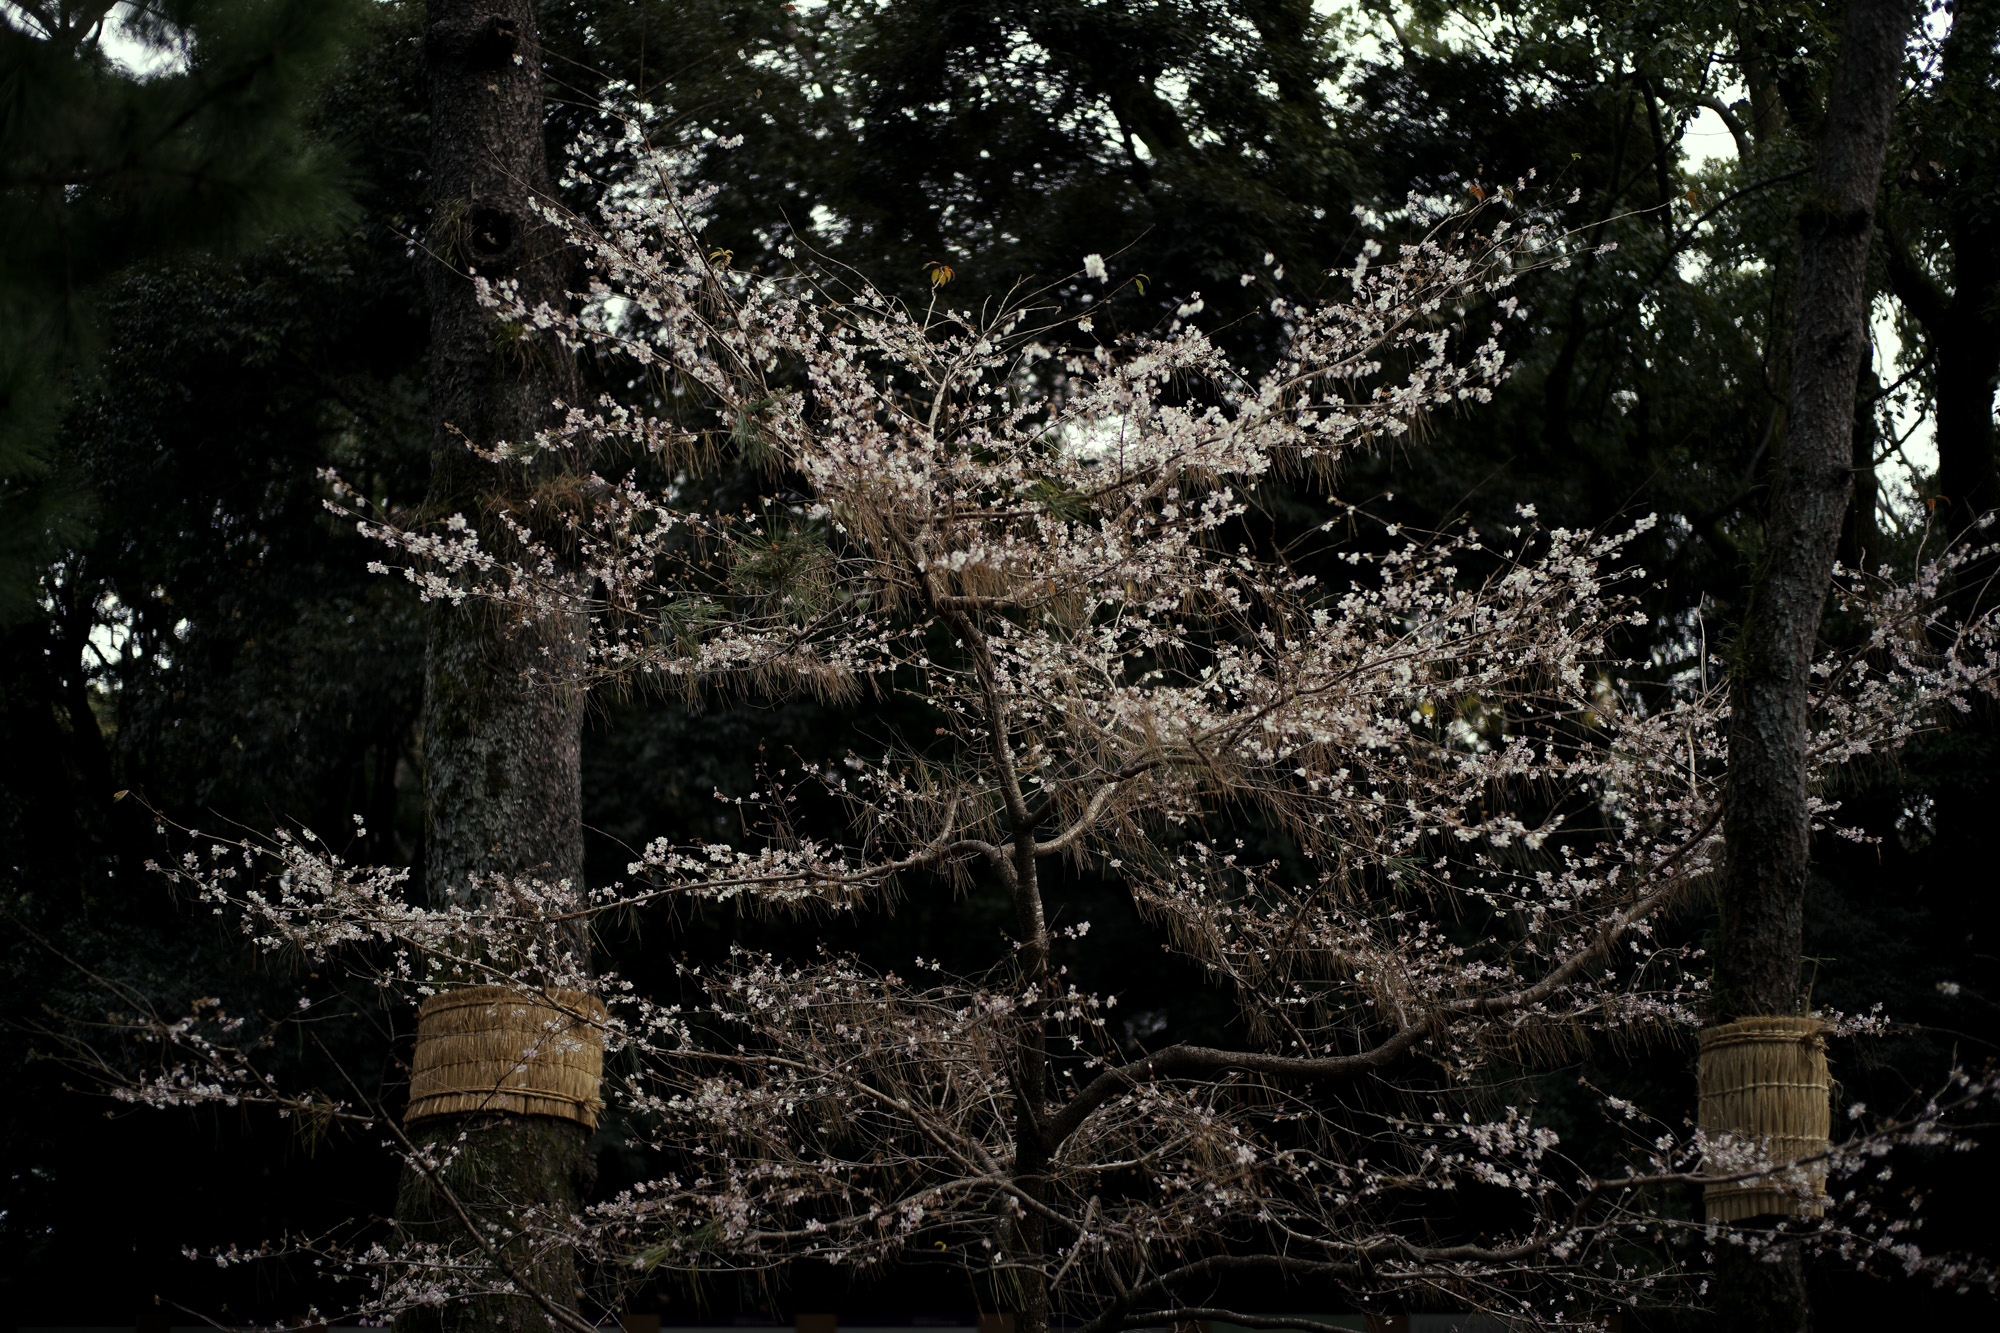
1766, 1080
493, 1048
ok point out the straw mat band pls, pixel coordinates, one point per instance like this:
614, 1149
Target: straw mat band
493, 1048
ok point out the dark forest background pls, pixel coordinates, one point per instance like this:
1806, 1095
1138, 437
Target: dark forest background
209, 291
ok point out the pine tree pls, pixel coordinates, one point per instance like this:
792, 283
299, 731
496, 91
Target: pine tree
1767, 813
502, 785
102, 167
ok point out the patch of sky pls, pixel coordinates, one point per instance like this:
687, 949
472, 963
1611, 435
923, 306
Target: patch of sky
141, 56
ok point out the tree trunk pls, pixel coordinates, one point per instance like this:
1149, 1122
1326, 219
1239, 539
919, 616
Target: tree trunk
1967, 339
502, 788
1968, 365
1860, 534
1767, 829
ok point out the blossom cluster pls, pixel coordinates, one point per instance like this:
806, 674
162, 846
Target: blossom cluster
1047, 535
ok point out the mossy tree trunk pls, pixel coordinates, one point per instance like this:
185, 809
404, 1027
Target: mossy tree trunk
1767, 826
501, 777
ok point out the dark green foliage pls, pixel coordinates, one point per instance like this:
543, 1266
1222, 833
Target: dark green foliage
1006, 140
1015, 139
101, 168
1647, 376
214, 645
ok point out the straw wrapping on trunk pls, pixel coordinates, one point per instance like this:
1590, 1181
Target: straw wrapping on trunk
492, 1048
1766, 1079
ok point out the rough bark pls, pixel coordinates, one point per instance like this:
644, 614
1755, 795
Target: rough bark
1757, 1296
501, 741
1767, 827
1860, 533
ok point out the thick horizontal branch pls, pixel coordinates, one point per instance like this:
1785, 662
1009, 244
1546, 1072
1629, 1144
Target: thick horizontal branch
1118, 1314
1130, 1310
1201, 1314
1180, 1061
1602, 943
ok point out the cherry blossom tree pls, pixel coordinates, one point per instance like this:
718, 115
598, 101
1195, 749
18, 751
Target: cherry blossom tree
1035, 533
